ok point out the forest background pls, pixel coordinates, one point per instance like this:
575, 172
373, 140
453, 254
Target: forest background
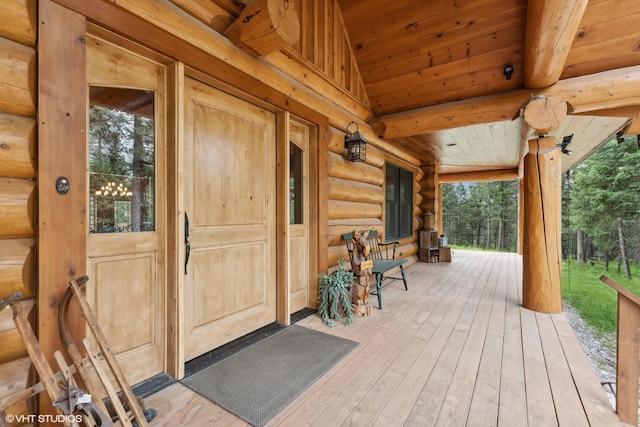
600, 209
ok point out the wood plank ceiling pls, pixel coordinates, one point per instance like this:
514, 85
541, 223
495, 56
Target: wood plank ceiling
434, 74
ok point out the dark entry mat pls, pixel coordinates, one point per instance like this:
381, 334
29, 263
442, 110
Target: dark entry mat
259, 381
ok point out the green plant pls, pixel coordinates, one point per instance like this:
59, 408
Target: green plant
334, 294
595, 301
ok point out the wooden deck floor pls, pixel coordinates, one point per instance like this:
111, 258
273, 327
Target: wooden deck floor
457, 349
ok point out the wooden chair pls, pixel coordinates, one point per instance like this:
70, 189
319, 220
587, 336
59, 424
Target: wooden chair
384, 260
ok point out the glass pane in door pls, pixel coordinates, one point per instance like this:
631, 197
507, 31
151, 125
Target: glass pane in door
295, 184
121, 160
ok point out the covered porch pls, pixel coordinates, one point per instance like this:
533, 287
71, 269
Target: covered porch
457, 349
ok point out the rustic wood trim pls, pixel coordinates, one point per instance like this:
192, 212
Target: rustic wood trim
175, 221
315, 204
283, 247
324, 138
62, 149
627, 352
551, 28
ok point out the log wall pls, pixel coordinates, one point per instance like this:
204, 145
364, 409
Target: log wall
428, 191
17, 181
356, 197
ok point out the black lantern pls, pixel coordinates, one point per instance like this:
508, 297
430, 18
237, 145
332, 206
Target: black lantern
356, 145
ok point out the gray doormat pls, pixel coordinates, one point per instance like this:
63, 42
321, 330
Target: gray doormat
259, 381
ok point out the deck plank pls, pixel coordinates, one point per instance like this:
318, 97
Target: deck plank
456, 349
432, 396
437, 330
594, 400
483, 410
512, 405
565, 396
455, 408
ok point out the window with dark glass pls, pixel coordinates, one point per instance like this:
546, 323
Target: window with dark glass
398, 206
121, 160
295, 184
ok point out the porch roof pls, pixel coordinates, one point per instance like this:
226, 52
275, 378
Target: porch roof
436, 81
456, 349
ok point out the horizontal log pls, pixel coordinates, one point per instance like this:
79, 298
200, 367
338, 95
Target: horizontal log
417, 200
14, 374
17, 78
207, 12
12, 346
608, 89
6, 316
339, 167
353, 191
337, 253
17, 146
339, 227
18, 21
18, 267
406, 250
479, 176
340, 209
17, 211
417, 221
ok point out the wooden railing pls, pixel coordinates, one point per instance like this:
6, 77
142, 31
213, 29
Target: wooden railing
626, 352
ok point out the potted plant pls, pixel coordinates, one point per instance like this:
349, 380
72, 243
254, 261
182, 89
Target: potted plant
334, 295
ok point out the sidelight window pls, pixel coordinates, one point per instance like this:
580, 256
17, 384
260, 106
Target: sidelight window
121, 160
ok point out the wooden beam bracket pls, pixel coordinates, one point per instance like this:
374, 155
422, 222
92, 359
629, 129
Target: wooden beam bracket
264, 27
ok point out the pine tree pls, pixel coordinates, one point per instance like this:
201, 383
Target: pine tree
605, 195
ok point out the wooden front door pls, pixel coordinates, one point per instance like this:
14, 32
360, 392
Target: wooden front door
299, 202
126, 205
229, 203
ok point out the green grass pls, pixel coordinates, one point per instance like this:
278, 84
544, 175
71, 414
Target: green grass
595, 301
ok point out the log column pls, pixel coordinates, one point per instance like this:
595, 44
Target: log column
541, 255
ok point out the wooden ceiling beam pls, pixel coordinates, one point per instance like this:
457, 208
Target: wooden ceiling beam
609, 89
479, 176
551, 28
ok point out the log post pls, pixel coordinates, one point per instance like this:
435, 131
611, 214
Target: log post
265, 26
541, 255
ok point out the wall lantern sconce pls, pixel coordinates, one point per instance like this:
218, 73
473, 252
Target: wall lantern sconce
356, 145
566, 140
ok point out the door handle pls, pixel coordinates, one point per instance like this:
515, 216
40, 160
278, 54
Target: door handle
187, 245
